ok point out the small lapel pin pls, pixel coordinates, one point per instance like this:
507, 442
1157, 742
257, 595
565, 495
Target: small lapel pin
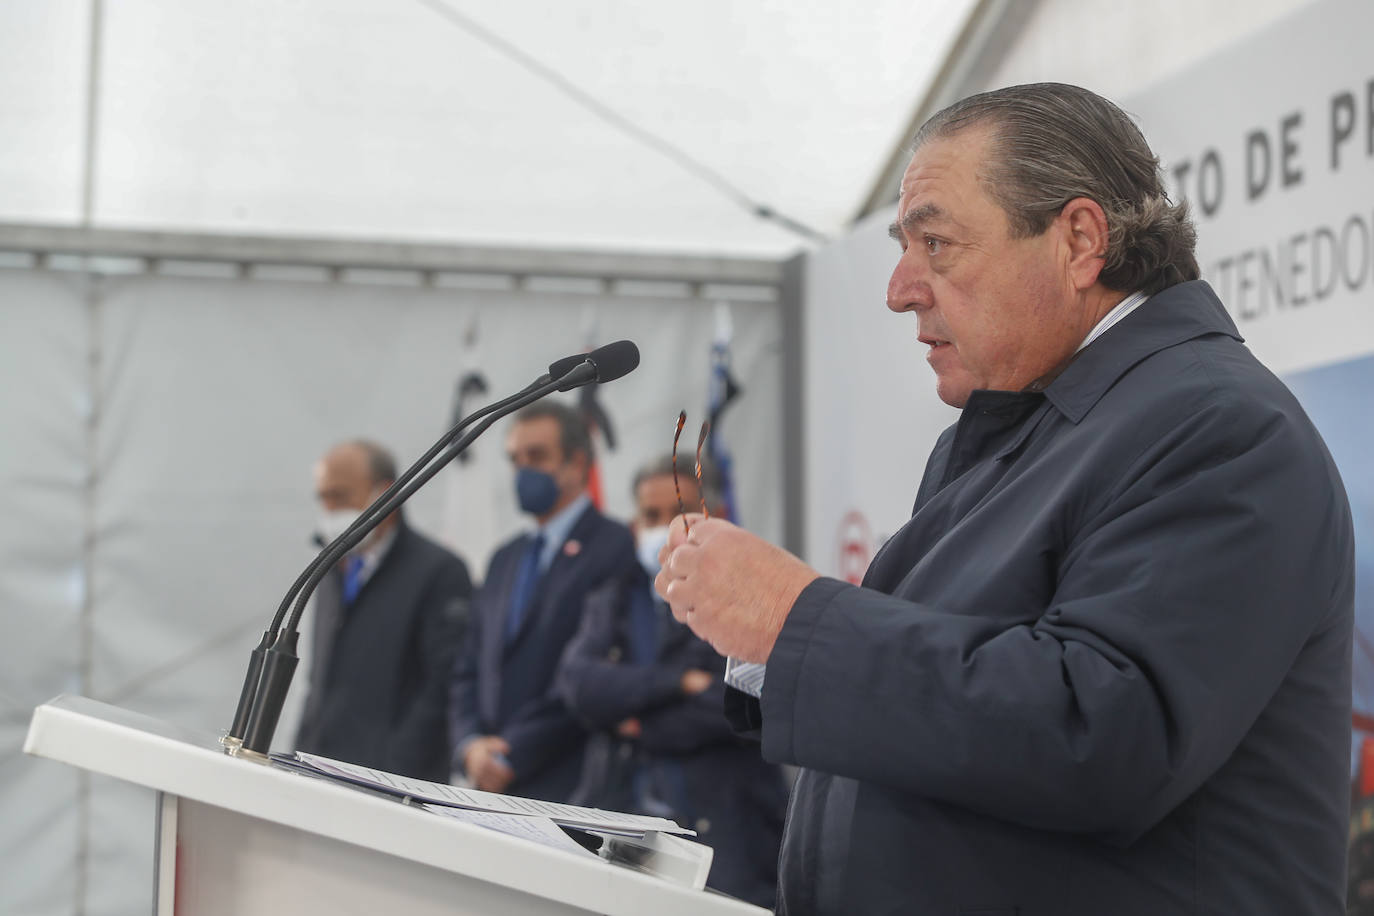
572, 548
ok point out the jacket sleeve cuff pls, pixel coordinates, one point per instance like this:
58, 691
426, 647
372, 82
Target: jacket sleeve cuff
744, 713
785, 666
460, 752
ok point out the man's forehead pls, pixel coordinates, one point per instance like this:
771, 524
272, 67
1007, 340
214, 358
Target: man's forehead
658, 483
658, 491
535, 430
941, 186
343, 460
955, 155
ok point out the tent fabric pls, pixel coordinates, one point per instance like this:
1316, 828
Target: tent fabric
387, 120
211, 401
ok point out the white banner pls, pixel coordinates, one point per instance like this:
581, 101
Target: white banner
1272, 144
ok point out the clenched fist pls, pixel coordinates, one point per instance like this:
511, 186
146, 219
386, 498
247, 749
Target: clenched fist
732, 588
486, 766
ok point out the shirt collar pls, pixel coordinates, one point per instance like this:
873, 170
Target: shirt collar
373, 554
558, 527
1119, 311
1180, 313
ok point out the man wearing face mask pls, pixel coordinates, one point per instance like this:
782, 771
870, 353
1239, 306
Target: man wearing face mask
513, 733
387, 621
655, 694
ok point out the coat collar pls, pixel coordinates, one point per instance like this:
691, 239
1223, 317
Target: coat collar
1178, 314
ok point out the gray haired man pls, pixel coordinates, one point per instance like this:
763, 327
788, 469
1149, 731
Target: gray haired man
1105, 667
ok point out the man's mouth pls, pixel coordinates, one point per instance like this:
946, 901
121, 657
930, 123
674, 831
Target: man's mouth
933, 342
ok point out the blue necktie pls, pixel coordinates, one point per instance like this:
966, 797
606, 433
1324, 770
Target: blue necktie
525, 579
352, 578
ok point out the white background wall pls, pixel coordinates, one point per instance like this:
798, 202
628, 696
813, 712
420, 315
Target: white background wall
1120, 49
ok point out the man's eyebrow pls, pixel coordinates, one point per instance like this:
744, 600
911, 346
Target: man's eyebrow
914, 218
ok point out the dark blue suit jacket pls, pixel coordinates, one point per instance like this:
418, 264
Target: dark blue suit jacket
687, 756
380, 666
506, 688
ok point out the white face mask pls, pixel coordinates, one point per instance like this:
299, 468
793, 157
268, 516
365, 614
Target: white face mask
648, 543
333, 523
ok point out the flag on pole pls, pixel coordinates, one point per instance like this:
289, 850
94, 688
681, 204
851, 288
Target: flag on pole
594, 414
723, 391
477, 498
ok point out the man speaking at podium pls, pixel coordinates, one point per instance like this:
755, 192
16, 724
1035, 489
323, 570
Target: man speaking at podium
1105, 667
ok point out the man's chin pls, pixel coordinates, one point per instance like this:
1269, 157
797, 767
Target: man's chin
953, 391
955, 402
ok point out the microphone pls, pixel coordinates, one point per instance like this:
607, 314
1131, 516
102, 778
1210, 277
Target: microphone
604, 364
273, 661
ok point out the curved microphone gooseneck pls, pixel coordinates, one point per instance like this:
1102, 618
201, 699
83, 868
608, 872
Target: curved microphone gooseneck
254, 673
274, 660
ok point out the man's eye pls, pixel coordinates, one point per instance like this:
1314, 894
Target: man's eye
934, 245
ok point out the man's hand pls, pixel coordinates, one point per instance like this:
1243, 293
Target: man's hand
485, 763
695, 681
733, 589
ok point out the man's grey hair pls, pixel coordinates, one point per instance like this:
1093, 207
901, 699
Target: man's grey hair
662, 466
573, 435
1051, 143
381, 464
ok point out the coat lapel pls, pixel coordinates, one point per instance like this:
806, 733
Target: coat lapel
494, 614
553, 583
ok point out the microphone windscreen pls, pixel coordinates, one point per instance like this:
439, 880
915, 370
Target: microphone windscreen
561, 367
614, 360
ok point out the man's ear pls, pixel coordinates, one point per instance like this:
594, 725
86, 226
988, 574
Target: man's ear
1084, 226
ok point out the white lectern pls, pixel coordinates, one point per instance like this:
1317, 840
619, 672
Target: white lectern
235, 837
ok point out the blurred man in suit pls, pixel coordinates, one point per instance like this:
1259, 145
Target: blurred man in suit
512, 732
655, 694
387, 622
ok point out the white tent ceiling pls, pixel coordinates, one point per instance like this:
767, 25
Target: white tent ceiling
409, 119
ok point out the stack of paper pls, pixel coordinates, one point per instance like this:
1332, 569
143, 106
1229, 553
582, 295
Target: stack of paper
435, 793
632, 840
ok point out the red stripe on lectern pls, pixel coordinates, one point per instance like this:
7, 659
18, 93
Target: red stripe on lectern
1362, 721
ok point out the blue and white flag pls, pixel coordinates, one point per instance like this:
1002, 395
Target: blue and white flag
723, 390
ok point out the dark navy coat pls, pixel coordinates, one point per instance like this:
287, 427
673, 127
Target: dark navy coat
506, 688
687, 756
1104, 670
380, 666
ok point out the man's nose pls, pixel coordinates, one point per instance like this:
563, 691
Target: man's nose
907, 290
